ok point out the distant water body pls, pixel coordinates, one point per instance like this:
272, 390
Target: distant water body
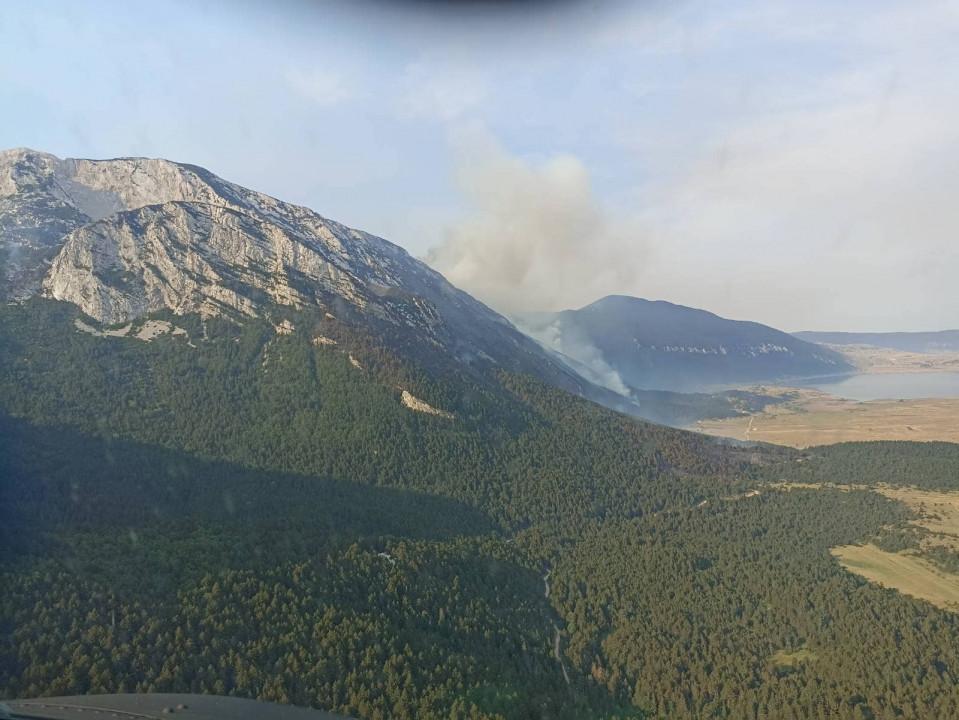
888, 386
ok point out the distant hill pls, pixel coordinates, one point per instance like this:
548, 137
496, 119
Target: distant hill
922, 342
656, 345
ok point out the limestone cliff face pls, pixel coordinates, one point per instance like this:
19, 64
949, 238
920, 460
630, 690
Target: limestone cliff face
99, 188
34, 218
193, 257
127, 237
138, 235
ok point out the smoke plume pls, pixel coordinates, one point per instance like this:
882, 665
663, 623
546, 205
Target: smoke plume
535, 237
579, 352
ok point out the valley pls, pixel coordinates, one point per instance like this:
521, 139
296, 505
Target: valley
806, 418
897, 393
872, 359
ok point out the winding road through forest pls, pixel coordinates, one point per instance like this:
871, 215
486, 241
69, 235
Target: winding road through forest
557, 636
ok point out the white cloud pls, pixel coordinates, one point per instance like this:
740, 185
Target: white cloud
815, 190
831, 208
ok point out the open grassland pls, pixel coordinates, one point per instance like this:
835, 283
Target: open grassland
936, 512
810, 417
871, 359
906, 572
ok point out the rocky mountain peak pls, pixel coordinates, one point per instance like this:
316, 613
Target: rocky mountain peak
100, 188
138, 235
124, 238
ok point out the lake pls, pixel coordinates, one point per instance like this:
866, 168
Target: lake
887, 386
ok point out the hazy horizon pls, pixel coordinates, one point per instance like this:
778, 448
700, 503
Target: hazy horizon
787, 163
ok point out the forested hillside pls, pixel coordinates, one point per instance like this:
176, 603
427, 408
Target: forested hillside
244, 393
930, 465
244, 510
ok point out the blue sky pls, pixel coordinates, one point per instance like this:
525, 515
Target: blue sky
787, 162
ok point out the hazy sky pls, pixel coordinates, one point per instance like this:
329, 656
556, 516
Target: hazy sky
795, 163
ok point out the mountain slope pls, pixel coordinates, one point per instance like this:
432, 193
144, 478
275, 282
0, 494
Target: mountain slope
258, 516
280, 402
128, 237
628, 342
921, 342
247, 483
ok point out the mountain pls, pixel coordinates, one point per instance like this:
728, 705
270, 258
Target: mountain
626, 342
124, 238
307, 485
228, 469
920, 342
128, 238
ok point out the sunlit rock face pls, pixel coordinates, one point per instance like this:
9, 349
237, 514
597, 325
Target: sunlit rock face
192, 257
132, 236
137, 235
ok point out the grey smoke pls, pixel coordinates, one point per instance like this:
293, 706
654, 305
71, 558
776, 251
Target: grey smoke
578, 352
536, 237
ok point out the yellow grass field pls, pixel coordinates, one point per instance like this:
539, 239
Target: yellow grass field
810, 417
908, 573
938, 512
871, 359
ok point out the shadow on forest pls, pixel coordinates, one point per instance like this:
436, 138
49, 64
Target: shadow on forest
55, 479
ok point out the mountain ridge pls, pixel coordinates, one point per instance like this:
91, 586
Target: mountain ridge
921, 341
136, 236
656, 344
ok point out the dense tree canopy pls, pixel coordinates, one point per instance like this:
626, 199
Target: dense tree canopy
250, 513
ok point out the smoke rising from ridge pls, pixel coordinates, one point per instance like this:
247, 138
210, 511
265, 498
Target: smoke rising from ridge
536, 237
579, 352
